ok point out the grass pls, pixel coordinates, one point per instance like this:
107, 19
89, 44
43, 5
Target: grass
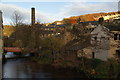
100, 69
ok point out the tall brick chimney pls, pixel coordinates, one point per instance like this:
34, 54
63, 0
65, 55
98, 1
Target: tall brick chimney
32, 16
119, 7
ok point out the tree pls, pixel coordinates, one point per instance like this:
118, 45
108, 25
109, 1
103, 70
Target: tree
101, 20
83, 37
78, 20
66, 21
17, 18
81, 40
53, 44
35, 39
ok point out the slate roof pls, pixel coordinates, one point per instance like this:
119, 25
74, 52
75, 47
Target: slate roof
113, 28
99, 28
92, 22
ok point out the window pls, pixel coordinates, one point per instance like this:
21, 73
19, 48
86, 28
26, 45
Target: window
95, 38
115, 36
119, 36
102, 37
93, 55
118, 52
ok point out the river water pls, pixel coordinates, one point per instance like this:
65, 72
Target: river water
25, 68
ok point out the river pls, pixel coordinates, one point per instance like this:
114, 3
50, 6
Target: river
25, 68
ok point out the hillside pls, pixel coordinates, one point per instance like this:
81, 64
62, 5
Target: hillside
7, 31
88, 17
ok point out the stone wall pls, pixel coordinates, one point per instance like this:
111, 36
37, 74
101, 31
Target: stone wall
1, 44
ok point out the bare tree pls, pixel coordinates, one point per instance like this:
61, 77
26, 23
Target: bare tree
78, 20
38, 21
17, 18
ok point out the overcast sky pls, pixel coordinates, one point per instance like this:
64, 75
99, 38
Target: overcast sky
54, 10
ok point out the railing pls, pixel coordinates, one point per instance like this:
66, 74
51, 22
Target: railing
12, 49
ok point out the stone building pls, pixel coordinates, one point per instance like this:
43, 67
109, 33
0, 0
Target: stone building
115, 44
1, 40
1, 44
100, 42
104, 43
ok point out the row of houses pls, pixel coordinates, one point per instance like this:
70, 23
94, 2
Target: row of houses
114, 15
51, 30
104, 40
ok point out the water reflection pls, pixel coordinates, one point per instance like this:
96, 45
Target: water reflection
10, 55
24, 68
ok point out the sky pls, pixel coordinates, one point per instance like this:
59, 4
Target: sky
52, 10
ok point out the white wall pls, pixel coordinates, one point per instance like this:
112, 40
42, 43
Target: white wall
102, 54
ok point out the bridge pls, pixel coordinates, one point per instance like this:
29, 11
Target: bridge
12, 49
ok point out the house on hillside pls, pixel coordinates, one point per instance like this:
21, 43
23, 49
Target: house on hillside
115, 43
109, 16
58, 22
104, 43
100, 42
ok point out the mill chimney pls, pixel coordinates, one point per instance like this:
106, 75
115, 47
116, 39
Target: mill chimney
32, 16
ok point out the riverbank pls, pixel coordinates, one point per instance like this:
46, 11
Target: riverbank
68, 65
93, 68
26, 68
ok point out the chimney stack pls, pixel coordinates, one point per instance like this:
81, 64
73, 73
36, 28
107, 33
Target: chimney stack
32, 16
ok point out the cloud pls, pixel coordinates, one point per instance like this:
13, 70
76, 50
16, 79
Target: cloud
60, 0
79, 8
94, 0
8, 11
70, 9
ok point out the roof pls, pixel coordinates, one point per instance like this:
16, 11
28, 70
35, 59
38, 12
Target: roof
113, 27
99, 28
12, 49
92, 22
100, 31
60, 26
